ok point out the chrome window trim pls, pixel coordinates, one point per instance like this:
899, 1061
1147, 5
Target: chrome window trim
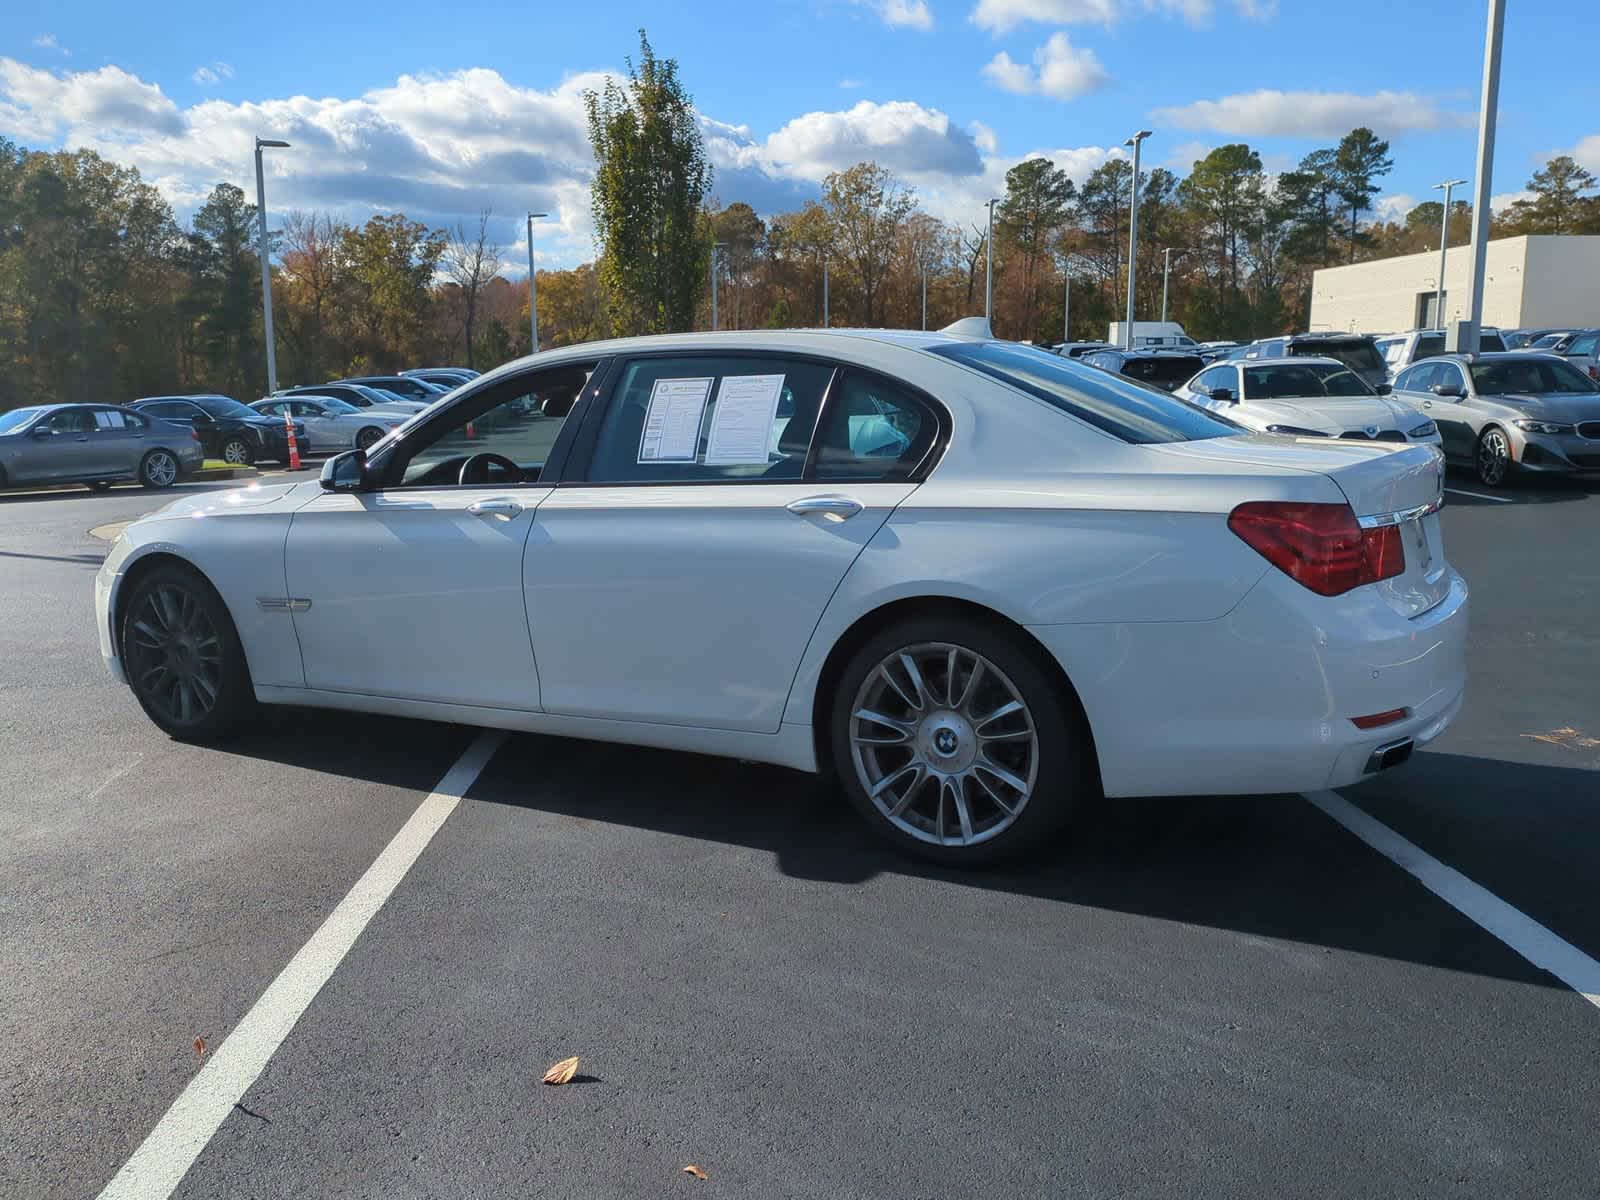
1400, 516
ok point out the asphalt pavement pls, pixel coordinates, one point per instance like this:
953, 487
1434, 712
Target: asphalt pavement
1211, 996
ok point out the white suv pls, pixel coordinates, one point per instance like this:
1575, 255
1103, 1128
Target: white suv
1403, 349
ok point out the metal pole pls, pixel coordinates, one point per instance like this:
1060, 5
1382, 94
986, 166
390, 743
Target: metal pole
1066, 308
924, 297
825, 293
266, 268
533, 289
1481, 215
988, 271
714, 246
1444, 241
1133, 233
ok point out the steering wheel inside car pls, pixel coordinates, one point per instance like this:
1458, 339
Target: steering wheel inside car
476, 469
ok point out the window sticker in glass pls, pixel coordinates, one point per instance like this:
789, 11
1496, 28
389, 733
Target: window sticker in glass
672, 423
741, 423
108, 420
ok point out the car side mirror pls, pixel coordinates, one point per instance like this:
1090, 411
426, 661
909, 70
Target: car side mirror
1223, 396
1384, 389
347, 472
42, 431
1449, 391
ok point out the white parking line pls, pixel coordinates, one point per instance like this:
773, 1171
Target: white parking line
1515, 928
161, 1160
1480, 496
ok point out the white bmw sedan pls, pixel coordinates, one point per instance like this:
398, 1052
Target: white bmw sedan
330, 423
1307, 397
977, 582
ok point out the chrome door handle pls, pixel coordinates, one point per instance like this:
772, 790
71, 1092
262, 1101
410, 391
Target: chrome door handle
839, 507
499, 506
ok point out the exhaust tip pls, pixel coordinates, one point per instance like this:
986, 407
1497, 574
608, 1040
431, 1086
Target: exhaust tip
1390, 754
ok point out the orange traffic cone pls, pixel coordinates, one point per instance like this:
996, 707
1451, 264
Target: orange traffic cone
294, 450
471, 432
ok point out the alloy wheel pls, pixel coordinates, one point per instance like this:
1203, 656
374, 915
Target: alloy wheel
160, 469
1494, 457
944, 744
174, 654
236, 453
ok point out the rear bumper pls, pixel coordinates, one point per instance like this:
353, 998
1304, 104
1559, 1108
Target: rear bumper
1260, 701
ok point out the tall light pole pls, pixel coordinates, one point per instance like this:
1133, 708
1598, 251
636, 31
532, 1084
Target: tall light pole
1444, 241
1487, 110
533, 289
1166, 272
988, 270
1133, 233
715, 246
924, 267
266, 266
825, 293
1066, 307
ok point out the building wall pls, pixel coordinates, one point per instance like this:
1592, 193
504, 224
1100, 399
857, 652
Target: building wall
1528, 281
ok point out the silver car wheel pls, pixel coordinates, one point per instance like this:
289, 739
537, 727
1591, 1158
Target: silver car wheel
1494, 457
237, 453
160, 469
944, 744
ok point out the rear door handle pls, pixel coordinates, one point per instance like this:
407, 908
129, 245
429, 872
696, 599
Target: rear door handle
498, 506
839, 507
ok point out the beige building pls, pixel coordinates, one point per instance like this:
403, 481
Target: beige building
1530, 281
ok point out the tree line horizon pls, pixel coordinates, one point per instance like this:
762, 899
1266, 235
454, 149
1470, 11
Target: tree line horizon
105, 296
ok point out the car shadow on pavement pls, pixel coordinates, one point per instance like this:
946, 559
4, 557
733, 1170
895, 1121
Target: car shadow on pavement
1463, 490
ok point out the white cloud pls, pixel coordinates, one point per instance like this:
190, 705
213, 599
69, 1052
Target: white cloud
901, 135
215, 73
1002, 16
1587, 153
1497, 203
39, 105
1184, 155
984, 136
1060, 69
1393, 208
1267, 113
902, 14
851, 85
47, 41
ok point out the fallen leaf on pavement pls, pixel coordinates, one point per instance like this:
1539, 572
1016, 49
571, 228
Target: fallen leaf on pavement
562, 1072
200, 1046
691, 1169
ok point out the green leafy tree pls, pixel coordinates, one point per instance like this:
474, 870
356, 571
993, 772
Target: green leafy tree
651, 177
744, 244
1361, 159
1038, 199
1558, 203
1222, 194
390, 263
867, 208
225, 292
1102, 231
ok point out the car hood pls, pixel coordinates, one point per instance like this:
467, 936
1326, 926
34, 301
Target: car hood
1552, 406
1332, 415
256, 497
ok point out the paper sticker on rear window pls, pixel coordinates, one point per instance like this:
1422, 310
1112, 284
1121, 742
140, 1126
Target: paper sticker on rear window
108, 420
672, 422
741, 424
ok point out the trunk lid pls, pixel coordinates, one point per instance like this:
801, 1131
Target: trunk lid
1384, 484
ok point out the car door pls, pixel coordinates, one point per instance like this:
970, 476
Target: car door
413, 589
118, 442
323, 429
677, 573
61, 447
1584, 353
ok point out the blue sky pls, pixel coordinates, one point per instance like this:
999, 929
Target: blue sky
443, 111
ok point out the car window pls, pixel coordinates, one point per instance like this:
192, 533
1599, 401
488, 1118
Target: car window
1532, 375
1339, 381
72, 420
873, 430
1450, 374
109, 418
274, 409
1392, 349
222, 407
709, 418
1491, 343
304, 408
1281, 383
1216, 377
134, 420
1417, 379
333, 406
1113, 404
1583, 344
16, 419
517, 421
1428, 345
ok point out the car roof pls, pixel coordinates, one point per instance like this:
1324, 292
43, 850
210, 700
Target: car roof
1281, 360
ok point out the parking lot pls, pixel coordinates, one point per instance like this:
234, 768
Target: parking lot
1198, 997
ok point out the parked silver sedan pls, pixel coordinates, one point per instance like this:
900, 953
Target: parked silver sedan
93, 444
330, 422
1503, 413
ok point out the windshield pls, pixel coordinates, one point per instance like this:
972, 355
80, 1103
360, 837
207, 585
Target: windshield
1166, 373
334, 405
1358, 354
1548, 341
1111, 403
221, 406
1532, 375
1337, 381
16, 419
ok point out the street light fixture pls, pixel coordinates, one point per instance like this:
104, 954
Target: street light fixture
533, 288
1448, 186
1133, 232
266, 267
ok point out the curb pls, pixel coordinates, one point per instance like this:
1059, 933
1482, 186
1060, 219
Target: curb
212, 473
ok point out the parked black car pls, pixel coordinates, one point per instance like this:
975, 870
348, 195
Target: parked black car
228, 430
1079, 349
1355, 350
1165, 369
408, 386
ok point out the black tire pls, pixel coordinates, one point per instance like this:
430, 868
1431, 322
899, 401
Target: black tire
1491, 459
366, 437
237, 452
159, 469
1063, 771
176, 605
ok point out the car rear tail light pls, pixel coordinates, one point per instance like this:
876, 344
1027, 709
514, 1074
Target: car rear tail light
1378, 720
1320, 546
